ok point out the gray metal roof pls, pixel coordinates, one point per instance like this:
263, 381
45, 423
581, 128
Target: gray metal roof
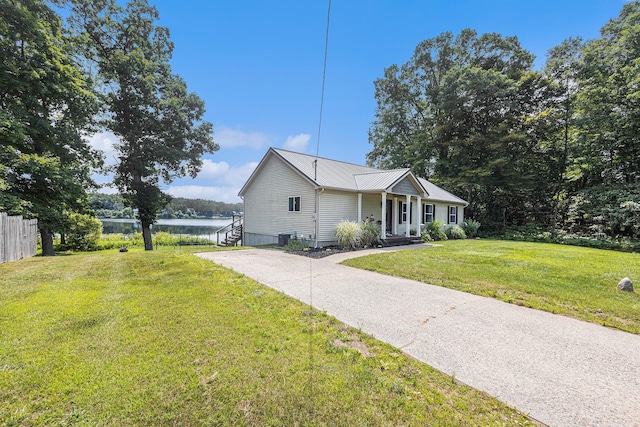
380, 180
437, 193
351, 177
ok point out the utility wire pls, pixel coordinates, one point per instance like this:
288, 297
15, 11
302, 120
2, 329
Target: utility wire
312, 312
324, 76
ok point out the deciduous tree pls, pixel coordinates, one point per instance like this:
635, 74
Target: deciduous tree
159, 123
46, 104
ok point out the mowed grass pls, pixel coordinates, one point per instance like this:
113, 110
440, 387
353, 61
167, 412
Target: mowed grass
574, 281
165, 338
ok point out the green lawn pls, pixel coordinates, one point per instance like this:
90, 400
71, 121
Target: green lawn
574, 281
165, 338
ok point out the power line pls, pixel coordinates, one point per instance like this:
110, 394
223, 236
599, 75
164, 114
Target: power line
312, 313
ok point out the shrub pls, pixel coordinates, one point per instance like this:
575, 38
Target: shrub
371, 234
470, 228
84, 232
612, 211
349, 234
435, 230
426, 237
455, 232
295, 245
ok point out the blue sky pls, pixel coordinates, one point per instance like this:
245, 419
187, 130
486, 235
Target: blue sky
258, 67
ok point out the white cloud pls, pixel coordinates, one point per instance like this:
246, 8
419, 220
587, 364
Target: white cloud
228, 138
222, 173
213, 170
104, 141
219, 194
297, 143
238, 176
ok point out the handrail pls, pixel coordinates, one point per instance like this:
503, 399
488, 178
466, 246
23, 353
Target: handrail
236, 225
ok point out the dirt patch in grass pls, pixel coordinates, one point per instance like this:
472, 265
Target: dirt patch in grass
355, 345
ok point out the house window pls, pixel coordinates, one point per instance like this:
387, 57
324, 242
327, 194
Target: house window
294, 204
405, 211
453, 214
428, 213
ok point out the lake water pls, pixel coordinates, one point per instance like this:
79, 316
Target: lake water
187, 227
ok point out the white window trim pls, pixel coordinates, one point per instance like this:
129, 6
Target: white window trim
424, 210
292, 206
453, 213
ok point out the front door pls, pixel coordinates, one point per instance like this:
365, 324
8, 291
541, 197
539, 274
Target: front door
389, 222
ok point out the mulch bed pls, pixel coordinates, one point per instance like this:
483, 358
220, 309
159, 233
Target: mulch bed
323, 252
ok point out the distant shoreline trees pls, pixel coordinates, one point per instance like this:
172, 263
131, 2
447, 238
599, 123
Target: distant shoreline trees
113, 206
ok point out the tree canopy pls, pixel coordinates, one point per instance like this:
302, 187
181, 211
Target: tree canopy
46, 106
521, 145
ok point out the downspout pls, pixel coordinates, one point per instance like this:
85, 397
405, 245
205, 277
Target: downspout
244, 210
316, 222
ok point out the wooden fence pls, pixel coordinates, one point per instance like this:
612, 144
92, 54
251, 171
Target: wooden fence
18, 237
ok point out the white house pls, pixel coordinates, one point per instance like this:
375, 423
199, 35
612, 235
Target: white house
295, 193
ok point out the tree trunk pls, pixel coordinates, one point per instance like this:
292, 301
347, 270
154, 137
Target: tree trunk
146, 235
47, 242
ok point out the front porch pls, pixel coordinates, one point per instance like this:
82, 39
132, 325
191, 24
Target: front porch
398, 215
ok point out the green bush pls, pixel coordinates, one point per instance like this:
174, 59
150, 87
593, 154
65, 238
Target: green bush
455, 232
435, 230
371, 234
426, 237
161, 238
349, 234
84, 232
470, 228
296, 245
605, 211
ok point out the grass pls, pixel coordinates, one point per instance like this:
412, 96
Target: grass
165, 338
574, 281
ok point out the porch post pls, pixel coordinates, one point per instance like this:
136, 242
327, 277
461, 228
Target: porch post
359, 208
418, 215
394, 223
383, 224
407, 231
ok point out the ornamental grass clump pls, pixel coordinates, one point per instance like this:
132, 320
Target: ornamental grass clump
371, 234
470, 228
455, 232
349, 234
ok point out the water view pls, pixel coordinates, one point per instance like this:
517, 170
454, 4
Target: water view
186, 227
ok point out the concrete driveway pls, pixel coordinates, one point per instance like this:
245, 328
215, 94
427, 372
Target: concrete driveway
560, 371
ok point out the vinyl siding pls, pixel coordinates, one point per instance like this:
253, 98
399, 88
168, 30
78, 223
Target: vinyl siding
335, 206
266, 201
371, 206
405, 187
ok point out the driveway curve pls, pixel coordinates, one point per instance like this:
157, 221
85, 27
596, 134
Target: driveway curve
560, 371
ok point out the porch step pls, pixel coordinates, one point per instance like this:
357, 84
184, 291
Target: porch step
401, 240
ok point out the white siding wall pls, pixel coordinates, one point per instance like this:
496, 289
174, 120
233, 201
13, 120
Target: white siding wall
334, 207
371, 205
266, 201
